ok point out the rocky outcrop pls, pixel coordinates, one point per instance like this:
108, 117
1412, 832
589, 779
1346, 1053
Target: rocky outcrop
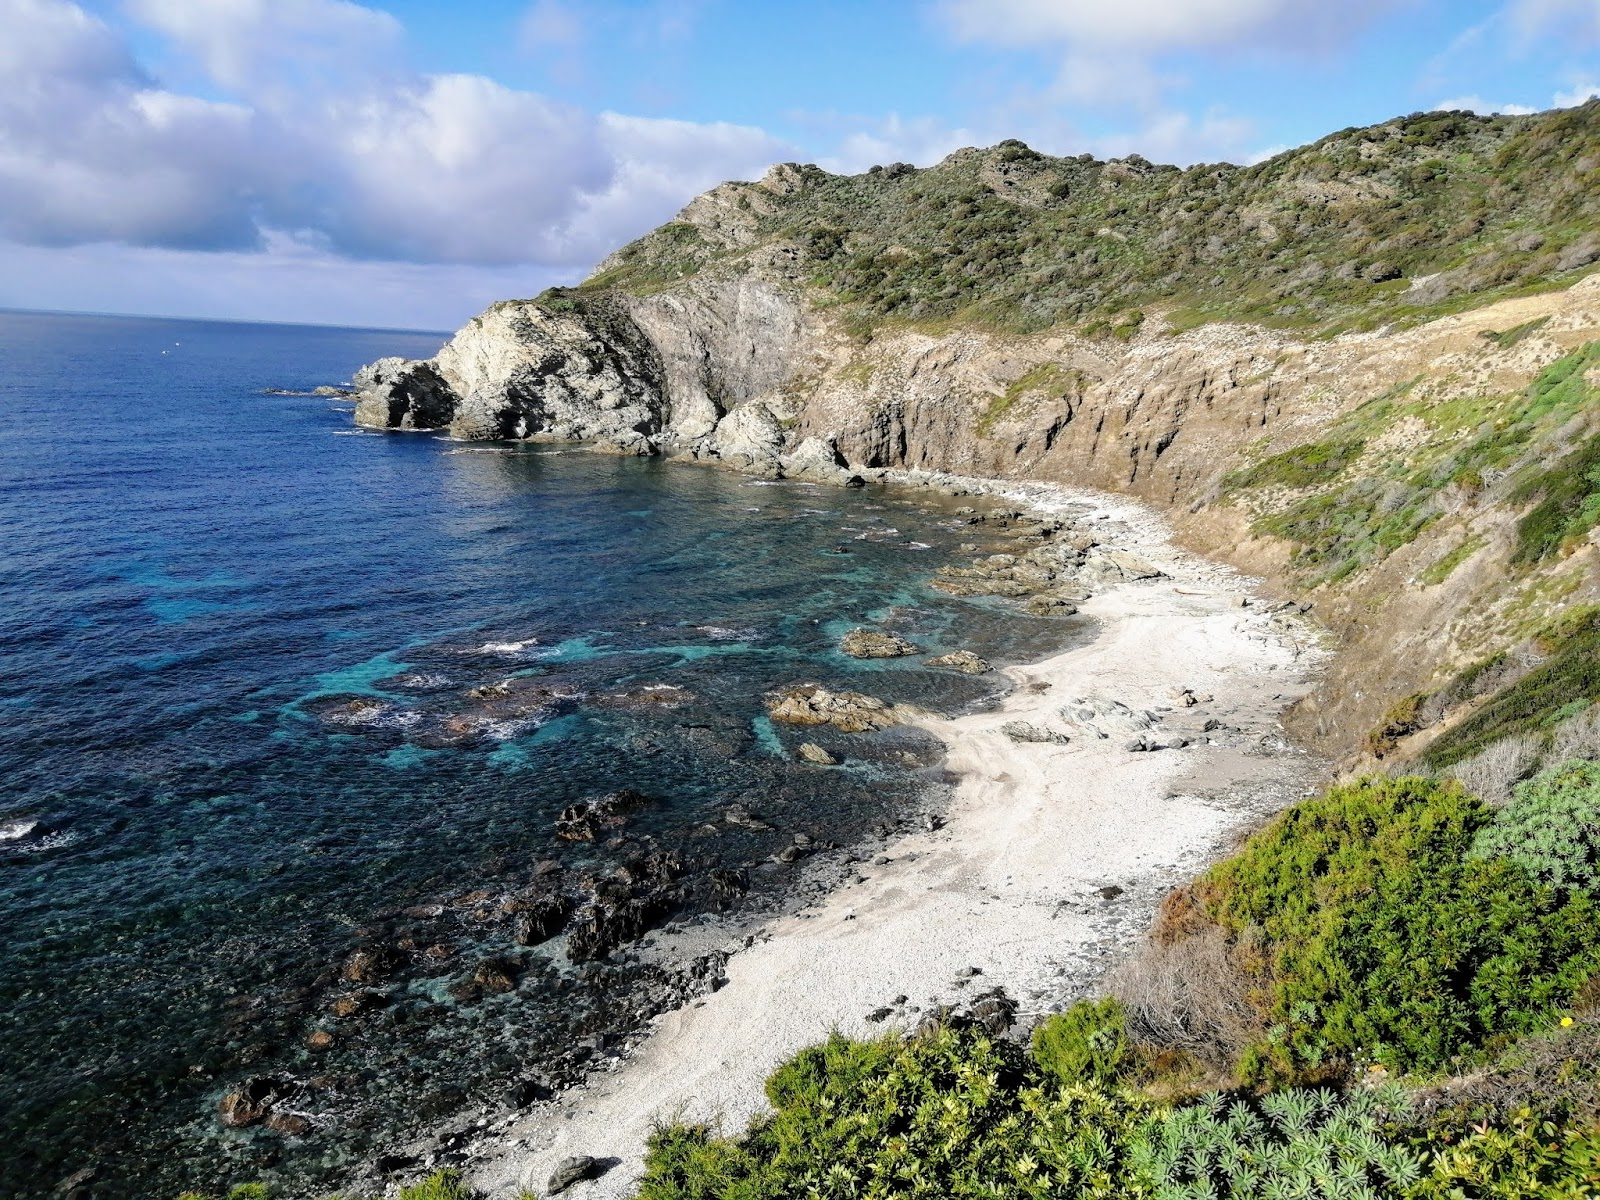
875, 643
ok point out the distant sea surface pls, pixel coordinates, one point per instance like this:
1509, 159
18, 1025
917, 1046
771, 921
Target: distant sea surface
274, 690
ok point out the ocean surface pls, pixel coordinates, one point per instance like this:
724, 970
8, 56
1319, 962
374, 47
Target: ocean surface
274, 691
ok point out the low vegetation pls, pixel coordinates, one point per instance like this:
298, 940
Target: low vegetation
1412, 218
1532, 452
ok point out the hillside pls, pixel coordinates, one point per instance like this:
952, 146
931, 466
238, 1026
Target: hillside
1403, 220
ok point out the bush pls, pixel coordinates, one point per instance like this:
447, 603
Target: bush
1379, 937
1087, 1044
1185, 992
952, 1115
1295, 1143
442, 1185
1529, 1158
1551, 828
1568, 676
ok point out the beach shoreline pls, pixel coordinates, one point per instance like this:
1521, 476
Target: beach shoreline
1045, 870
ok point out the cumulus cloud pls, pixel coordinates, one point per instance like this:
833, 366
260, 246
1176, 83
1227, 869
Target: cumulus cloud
1477, 104
324, 138
1581, 94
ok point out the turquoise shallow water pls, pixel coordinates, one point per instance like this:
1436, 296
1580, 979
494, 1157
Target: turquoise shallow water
239, 645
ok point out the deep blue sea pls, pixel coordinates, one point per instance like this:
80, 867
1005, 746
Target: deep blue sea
273, 689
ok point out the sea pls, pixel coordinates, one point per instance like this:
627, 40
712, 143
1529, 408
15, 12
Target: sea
275, 691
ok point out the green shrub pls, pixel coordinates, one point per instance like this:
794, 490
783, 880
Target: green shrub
1377, 936
1570, 673
1551, 828
952, 1115
1568, 508
1087, 1044
442, 1185
1288, 1144
1529, 1159
1303, 466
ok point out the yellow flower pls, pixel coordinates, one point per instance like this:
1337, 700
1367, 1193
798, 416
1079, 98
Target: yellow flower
1566, 1022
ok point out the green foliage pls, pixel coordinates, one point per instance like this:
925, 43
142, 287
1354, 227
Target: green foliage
1288, 1144
1403, 718
1345, 520
1569, 504
442, 1185
1324, 237
1507, 338
953, 1115
1087, 1044
1551, 828
1044, 377
1531, 1158
1378, 937
1303, 466
1445, 566
1569, 674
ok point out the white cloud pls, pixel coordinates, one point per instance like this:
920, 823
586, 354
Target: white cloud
1581, 94
867, 142
1181, 139
373, 162
1483, 108
1154, 26
277, 47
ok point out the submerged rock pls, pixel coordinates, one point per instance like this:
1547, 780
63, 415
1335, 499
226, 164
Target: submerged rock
253, 1100
872, 643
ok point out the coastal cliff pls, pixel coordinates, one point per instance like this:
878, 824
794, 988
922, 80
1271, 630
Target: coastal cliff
1344, 369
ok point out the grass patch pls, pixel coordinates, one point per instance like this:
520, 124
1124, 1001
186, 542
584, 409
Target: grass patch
1505, 339
1304, 466
1045, 377
1570, 674
1442, 568
1568, 508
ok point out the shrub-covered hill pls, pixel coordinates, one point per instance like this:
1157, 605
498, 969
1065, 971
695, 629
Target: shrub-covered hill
1405, 219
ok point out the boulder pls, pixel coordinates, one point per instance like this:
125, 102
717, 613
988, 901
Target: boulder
253, 1100
570, 1171
398, 393
812, 753
1024, 731
812, 704
964, 661
872, 643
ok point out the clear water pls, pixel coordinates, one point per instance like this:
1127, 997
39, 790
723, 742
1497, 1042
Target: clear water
236, 644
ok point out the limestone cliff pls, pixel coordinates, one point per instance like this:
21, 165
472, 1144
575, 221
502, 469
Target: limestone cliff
1327, 369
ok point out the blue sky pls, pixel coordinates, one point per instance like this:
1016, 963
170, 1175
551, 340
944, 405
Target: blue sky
406, 163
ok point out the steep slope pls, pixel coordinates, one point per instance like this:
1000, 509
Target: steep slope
1363, 368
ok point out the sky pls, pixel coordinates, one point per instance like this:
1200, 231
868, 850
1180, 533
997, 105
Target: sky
405, 164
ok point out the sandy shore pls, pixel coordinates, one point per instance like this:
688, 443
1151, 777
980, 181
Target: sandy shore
1010, 885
